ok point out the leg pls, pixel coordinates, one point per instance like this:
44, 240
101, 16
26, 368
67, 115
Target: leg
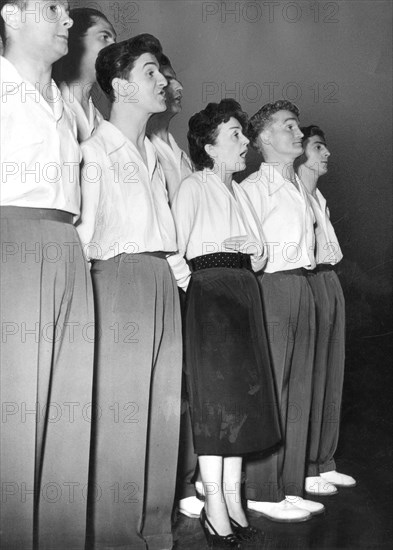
211, 468
164, 417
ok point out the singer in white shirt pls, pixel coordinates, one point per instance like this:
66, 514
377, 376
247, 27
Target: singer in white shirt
46, 295
129, 233
229, 377
322, 477
175, 162
75, 72
276, 484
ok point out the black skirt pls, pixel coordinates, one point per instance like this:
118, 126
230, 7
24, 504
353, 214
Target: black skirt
229, 377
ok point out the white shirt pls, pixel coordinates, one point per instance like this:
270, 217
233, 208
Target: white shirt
286, 216
206, 214
328, 250
174, 161
86, 124
124, 202
40, 156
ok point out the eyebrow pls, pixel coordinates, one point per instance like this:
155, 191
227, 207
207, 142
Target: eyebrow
291, 118
319, 143
150, 63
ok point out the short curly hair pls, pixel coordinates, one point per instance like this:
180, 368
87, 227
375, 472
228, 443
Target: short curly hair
263, 118
118, 60
203, 129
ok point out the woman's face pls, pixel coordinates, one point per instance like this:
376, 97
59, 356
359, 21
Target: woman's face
97, 37
231, 146
146, 85
317, 155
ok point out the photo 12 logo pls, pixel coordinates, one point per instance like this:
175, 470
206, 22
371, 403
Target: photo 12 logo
265, 92
270, 12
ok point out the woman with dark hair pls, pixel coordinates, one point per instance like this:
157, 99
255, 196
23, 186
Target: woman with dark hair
232, 399
321, 475
75, 72
129, 235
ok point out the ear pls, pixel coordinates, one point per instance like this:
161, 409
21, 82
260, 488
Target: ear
210, 150
11, 13
264, 138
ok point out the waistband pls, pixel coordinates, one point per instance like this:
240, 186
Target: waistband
322, 268
234, 260
298, 271
134, 257
18, 212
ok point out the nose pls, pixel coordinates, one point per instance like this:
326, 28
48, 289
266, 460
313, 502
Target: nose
162, 81
178, 86
67, 21
299, 133
327, 152
246, 141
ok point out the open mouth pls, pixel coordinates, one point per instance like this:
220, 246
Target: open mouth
243, 154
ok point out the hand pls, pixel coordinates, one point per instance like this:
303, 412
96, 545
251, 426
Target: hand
235, 243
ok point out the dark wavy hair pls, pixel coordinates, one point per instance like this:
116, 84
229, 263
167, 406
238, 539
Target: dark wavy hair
203, 129
165, 62
308, 132
117, 60
263, 118
67, 68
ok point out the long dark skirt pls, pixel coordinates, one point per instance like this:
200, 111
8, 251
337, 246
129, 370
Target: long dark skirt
230, 382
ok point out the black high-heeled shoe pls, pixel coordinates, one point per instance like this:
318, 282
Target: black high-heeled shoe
246, 534
215, 540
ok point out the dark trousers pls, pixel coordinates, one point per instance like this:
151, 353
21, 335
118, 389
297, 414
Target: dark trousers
46, 383
289, 311
328, 372
188, 460
137, 403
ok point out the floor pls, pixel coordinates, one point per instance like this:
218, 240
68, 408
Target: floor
356, 518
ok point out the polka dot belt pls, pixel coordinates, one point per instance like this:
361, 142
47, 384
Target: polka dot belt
234, 260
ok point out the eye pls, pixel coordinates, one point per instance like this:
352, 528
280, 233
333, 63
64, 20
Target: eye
53, 8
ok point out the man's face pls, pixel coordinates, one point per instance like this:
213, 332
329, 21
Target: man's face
173, 91
97, 37
283, 135
317, 155
146, 85
44, 29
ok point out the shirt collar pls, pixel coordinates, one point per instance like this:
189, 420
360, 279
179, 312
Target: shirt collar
13, 79
274, 178
115, 140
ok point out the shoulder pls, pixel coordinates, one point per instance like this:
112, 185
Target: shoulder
255, 181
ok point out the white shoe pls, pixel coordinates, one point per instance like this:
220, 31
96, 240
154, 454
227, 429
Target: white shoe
190, 507
317, 486
309, 505
282, 511
341, 480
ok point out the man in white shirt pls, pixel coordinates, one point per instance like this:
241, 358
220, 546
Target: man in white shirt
175, 162
129, 233
322, 477
176, 166
46, 295
275, 484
